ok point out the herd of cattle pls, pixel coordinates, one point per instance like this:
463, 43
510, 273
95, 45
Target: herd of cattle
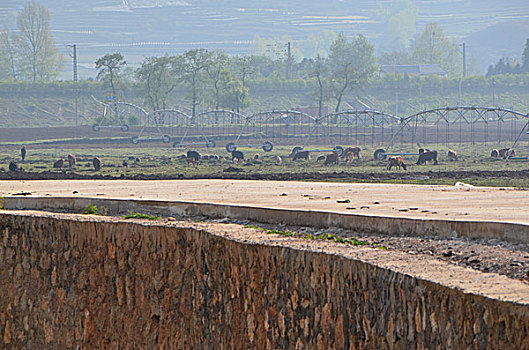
349, 155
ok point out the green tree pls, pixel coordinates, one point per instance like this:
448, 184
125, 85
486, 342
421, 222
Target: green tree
320, 71
37, 55
158, 80
109, 68
525, 58
395, 58
317, 44
351, 65
191, 66
218, 74
244, 67
263, 65
7, 57
432, 47
234, 96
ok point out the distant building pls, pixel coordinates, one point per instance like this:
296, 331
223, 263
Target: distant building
414, 69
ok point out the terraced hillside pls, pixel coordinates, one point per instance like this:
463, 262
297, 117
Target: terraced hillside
154, 27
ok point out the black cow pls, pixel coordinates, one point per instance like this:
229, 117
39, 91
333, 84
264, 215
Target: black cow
192, 157
237, 155
427, 156
13, 166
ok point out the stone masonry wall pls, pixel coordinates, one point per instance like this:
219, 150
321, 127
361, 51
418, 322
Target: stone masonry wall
69, 282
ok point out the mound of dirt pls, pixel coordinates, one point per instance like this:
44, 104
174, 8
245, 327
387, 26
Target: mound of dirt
233, 169
234, 173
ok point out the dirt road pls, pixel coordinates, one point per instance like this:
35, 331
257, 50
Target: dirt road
448, 202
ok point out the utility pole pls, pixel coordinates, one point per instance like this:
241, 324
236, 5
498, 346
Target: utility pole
74, 62
73, 55
289, 61
464, 61
74, 78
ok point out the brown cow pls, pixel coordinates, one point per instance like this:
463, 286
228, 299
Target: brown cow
351, 153
331, 159
71, 160
427, 156
452, 155
495, 153
301, 155
58, 164
396, 162
96, 162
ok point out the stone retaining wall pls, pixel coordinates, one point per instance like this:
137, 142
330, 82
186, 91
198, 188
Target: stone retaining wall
84, 282
396, 226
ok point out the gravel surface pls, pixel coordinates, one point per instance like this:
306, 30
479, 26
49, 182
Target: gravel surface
504, 258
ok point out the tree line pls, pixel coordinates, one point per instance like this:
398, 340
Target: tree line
222, 81
510, 65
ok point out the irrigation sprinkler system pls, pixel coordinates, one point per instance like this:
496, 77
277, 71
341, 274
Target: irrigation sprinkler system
267, 129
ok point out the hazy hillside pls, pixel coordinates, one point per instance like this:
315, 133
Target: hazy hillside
140, 28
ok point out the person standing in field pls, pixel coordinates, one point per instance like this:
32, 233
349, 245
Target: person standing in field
23, 153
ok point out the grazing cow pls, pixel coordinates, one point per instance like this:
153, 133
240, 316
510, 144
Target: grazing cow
506, 152
277, 160
331, 159
125, 164
351, 153
71, 160
396, 162
13, 166
302, 155
320, 159
96, 162
495, 153
452, 155
427, 156
294, 151
237, 155
58, 164
192, 157
23, 153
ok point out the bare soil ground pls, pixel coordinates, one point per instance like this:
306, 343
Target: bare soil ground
237, 173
